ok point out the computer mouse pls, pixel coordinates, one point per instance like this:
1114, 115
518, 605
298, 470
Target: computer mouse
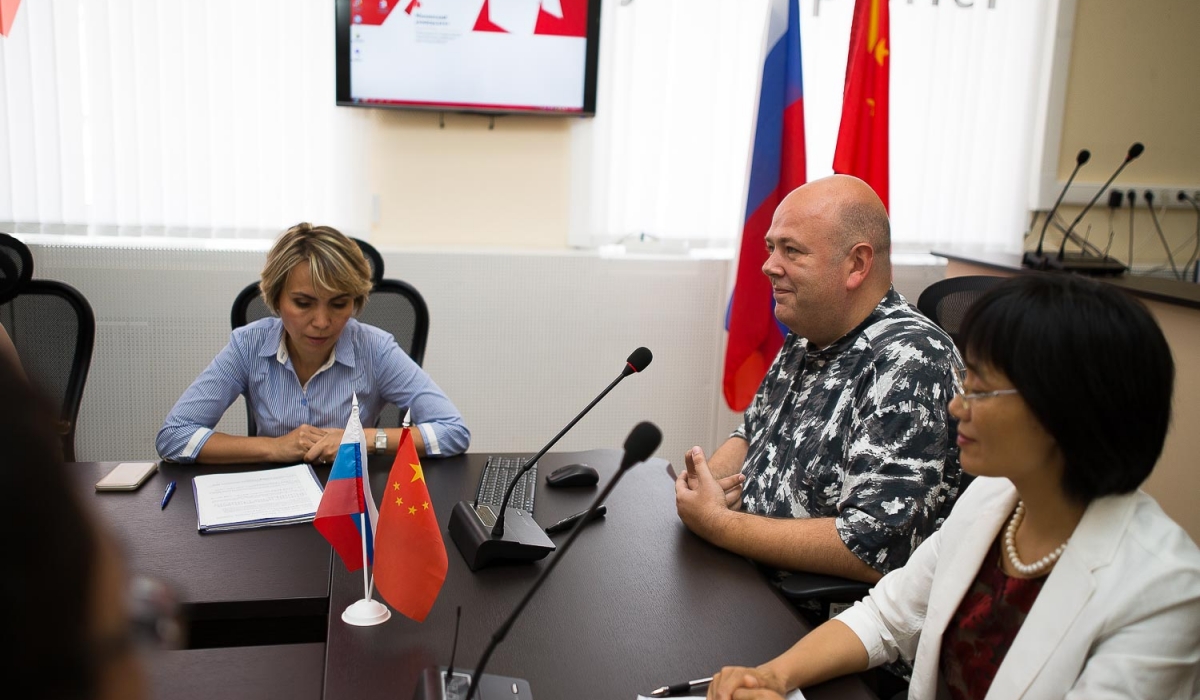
573, 475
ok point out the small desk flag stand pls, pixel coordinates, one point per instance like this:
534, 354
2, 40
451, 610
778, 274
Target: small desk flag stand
368, 611
347, 496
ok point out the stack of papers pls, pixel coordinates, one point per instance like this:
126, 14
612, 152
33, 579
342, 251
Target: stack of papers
248, 500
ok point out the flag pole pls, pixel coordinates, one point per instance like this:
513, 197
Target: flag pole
362, 522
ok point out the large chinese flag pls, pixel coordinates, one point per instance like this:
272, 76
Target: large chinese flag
410, 557
777, 167
862, 145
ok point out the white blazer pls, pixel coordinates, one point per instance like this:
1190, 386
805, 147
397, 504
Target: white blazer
1118, 617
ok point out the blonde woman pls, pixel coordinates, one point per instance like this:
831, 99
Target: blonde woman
299, 369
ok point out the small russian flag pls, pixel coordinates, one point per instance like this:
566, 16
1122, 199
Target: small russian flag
347, 498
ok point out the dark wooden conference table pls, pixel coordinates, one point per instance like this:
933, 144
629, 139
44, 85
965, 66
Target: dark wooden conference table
636, 603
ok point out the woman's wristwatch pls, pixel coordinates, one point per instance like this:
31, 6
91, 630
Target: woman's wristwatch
381, 441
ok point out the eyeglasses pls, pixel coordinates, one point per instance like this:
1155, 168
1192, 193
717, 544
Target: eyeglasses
960, 390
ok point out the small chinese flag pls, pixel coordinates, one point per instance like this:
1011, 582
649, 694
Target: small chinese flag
410, 557
8, 15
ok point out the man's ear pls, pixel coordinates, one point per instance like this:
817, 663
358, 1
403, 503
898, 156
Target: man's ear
859, 262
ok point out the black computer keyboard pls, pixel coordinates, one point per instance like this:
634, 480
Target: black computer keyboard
497, 474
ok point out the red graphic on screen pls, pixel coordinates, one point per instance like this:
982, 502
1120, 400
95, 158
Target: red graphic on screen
554, 18
373, 12
412, 6
572, 23
484, 23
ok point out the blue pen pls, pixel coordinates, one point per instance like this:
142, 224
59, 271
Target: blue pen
167, 496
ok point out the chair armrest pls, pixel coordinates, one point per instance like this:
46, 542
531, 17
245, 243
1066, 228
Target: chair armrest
806, 586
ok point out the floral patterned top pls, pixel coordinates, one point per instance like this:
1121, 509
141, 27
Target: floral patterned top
983, 628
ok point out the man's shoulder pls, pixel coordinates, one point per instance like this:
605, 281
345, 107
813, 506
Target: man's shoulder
901, 329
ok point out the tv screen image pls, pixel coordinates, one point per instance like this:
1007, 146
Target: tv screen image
483, 56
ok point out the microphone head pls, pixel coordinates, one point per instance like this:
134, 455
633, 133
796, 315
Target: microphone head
1083, 157
1134, 151
638, 360
643, 440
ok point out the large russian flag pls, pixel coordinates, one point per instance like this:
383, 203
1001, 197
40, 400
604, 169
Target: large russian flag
777, 167
347, 498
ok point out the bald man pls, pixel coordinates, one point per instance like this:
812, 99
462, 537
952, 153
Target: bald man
846, 459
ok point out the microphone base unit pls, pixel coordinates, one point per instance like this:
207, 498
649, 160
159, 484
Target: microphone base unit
471, 529
1075, 262
432, 685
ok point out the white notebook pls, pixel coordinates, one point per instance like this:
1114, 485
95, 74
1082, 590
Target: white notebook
266, 498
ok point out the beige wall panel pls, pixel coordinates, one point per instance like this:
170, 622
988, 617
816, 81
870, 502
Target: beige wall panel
468, 185
1133, 66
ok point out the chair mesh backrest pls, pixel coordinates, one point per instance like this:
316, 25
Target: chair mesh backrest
946, 301
53, 328
16, 267
394, 306
374, 260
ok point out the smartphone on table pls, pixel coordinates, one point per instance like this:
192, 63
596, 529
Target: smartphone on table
127, 476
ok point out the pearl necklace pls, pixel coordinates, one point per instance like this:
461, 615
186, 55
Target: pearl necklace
1010, 546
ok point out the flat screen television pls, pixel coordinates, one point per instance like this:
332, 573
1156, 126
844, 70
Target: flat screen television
479, 56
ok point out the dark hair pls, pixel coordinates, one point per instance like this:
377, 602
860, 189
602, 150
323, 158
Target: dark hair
51, 555
1091, 363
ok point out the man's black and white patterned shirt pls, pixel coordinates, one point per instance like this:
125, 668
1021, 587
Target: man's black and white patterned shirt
859, 431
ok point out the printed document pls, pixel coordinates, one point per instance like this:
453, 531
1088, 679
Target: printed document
245, 500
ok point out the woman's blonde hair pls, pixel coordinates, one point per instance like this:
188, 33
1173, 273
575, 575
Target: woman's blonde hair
337, 264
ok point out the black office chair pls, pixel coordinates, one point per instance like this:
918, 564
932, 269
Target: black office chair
374, 259
54, 330
16, 267
946, 301
395, 306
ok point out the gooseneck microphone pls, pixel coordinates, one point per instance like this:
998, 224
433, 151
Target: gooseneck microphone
638, 360
1134, 151
1083, 157
643, 440
481, 535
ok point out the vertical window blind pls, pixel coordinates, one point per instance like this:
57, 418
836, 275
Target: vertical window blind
198, 118
678, 86
215, 117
